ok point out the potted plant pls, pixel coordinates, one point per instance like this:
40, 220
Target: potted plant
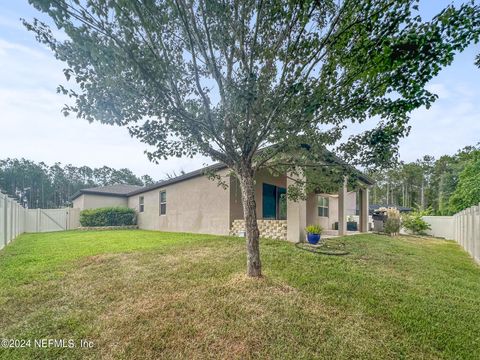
313, 233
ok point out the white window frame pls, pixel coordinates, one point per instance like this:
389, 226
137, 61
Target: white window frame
141, 204
162, 203
325, 206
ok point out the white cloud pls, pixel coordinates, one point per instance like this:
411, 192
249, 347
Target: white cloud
32, 126
450, 124
439, 89
6, 48
10, 22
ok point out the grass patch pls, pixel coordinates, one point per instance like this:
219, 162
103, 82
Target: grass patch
140, 294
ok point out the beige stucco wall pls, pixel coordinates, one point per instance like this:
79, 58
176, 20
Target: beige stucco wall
195, 205
328, 222
91, 201
262, 177
236, 207
78, 202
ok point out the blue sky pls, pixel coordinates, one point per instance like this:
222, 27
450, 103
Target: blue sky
32, 126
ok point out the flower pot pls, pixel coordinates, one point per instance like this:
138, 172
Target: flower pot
313, 238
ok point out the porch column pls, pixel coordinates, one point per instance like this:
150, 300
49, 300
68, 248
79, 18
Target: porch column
342, 207
296, 217
363, 209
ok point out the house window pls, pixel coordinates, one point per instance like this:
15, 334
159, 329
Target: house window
163, 202
274, 202
141, 206
322, 202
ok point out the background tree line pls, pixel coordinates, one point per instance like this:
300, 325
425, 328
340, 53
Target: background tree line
445, 185
44, 186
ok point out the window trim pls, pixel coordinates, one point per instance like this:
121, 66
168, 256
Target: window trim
141, 204
323, 206
162, 203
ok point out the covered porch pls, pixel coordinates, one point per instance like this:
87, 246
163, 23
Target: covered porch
327, 210
285, 219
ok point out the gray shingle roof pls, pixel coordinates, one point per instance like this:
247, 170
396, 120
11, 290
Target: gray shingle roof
129, 190
216, 167
189, 175
121, 190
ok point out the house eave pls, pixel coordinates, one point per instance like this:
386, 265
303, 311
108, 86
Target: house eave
92, 192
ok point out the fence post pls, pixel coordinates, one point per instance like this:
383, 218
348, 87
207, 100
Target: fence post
16, 219
476, 251
467, 229
461, 227
38, 220
67, 219
456, 227
11, 220
472, 237
14, 209
471, 249
5, 216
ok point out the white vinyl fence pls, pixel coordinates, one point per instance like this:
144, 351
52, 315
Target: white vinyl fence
441, 226
467, 230
12, 220
15, 220
463, 227
43, 220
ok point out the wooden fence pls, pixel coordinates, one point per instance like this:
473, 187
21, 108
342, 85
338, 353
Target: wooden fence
15, 220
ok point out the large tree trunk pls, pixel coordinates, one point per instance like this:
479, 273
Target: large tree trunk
247, 185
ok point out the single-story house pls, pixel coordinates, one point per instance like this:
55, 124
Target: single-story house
103, 196
194, 203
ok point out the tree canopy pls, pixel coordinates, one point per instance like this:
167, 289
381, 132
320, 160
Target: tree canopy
467, 192
429, 184
228, 78
44, 186
225, 79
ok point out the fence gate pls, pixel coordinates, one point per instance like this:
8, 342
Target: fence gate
15, 219
43, 220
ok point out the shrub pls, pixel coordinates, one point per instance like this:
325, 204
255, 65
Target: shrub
108, 216
392, 224
414, 222
314, 229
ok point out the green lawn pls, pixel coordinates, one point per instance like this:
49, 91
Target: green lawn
152, 295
